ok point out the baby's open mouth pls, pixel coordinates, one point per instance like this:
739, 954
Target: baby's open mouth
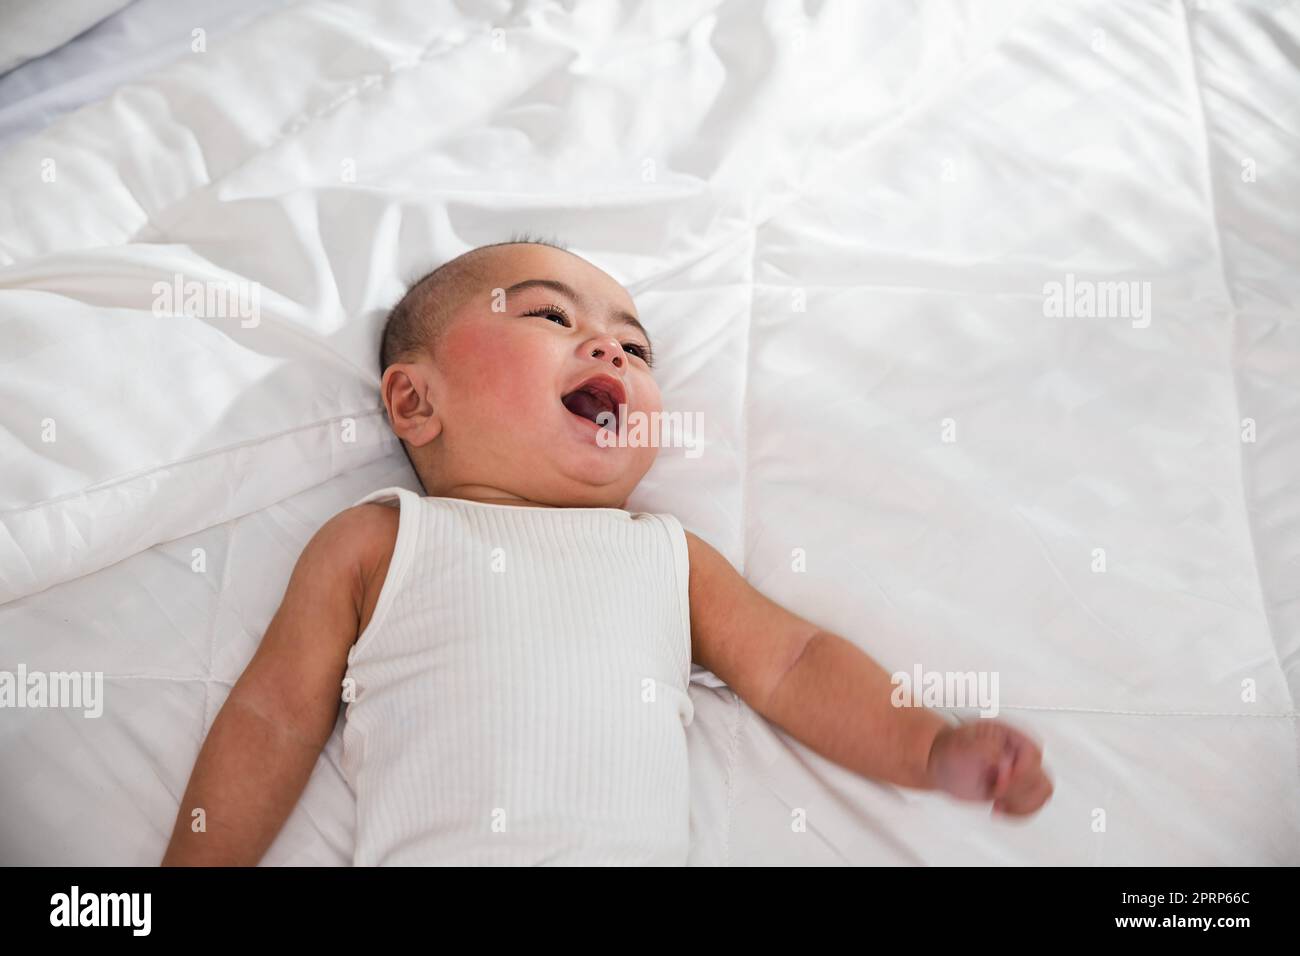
597, 399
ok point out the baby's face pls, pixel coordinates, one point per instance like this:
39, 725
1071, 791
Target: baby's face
520, 374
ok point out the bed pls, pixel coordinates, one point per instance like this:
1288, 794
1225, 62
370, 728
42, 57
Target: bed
881, 248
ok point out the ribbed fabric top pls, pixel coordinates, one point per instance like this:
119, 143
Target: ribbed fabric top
520, 693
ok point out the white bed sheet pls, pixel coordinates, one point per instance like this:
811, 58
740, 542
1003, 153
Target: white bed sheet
142, 36
32, 28
838, 223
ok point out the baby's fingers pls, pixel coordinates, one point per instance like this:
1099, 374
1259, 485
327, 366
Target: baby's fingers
1026, 794
1020, 760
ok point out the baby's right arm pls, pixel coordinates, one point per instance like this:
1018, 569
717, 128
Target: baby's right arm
264, 743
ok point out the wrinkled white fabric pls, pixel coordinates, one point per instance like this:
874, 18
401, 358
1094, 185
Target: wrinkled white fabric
839, 223
32, 28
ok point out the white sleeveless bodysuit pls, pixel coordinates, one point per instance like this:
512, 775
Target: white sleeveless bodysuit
519, 695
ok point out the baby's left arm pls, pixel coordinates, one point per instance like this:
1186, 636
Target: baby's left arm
825, 692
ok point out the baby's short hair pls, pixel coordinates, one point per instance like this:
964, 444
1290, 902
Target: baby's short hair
419, 317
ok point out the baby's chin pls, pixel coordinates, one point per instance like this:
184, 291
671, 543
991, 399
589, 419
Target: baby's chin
603, 477
591, 476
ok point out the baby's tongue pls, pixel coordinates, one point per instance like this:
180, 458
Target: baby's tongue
584, 404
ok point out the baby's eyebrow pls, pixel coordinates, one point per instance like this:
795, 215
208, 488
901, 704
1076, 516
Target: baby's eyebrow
555, 285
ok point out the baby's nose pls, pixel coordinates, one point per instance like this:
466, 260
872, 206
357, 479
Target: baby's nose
607, 349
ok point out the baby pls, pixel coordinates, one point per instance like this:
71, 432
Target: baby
514, 647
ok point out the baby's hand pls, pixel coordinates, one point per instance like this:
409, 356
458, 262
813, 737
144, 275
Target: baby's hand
989, 760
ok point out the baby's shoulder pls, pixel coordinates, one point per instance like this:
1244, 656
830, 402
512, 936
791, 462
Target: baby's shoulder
356, 543
361, 539
360, 527
366, 532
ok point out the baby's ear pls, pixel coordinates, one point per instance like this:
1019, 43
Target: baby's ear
406, 389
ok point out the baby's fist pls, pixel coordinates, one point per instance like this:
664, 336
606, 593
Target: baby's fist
989, 760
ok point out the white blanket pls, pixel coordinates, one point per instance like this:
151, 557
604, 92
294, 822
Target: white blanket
865, 238
32, 28
136, 40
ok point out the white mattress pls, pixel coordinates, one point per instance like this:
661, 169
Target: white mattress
838, 225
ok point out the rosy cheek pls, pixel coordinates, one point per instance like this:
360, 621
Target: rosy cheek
503, 369
648, 395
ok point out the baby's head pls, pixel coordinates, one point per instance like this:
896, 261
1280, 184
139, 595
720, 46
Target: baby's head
496, 366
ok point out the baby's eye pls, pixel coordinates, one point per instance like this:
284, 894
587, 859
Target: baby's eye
551, 312
640, 351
